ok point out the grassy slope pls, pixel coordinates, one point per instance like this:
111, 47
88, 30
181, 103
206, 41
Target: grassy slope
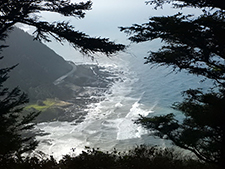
51, 109
48, 103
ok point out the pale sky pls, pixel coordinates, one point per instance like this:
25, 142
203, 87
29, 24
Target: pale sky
105, 18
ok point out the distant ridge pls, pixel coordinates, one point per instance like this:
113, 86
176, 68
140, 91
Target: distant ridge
38, 68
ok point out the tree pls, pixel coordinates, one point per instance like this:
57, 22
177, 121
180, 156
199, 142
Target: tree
23, 11
195, 44
13, 122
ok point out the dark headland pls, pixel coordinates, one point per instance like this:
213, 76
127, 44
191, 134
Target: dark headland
58, 88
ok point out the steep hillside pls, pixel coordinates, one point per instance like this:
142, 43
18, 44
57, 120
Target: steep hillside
57, 88
38, 65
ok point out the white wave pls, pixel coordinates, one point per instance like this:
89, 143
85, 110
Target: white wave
127, 129
117, 105
62, 138
106, 123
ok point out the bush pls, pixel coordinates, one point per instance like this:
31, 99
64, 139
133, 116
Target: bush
141, 157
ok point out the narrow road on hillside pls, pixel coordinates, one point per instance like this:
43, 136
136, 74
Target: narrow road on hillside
59, 80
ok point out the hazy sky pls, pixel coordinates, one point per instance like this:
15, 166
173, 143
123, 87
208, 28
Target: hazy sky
105, 18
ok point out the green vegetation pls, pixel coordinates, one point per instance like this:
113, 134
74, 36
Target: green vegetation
41, 107
14, 124
194, 43
46, 104
141, 157
51, 109
25, 12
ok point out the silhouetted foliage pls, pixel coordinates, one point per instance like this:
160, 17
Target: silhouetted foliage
23, 11
189, 3
142, 157
195, 44
202, 129
13, 122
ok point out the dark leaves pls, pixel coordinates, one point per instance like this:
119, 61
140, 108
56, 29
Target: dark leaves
194, 44
25, 12
13, 120
189, 3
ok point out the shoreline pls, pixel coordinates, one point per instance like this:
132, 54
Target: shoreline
87, 85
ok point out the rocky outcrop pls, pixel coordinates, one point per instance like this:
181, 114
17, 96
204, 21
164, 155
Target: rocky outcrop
44, 75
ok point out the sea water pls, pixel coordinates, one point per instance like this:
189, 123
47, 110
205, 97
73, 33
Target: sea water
138, 89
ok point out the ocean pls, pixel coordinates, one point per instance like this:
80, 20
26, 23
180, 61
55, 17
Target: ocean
136, 89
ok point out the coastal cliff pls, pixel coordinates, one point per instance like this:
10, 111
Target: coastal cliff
55, 87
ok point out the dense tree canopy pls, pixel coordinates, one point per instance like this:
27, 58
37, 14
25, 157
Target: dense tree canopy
14, 124
196, 44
